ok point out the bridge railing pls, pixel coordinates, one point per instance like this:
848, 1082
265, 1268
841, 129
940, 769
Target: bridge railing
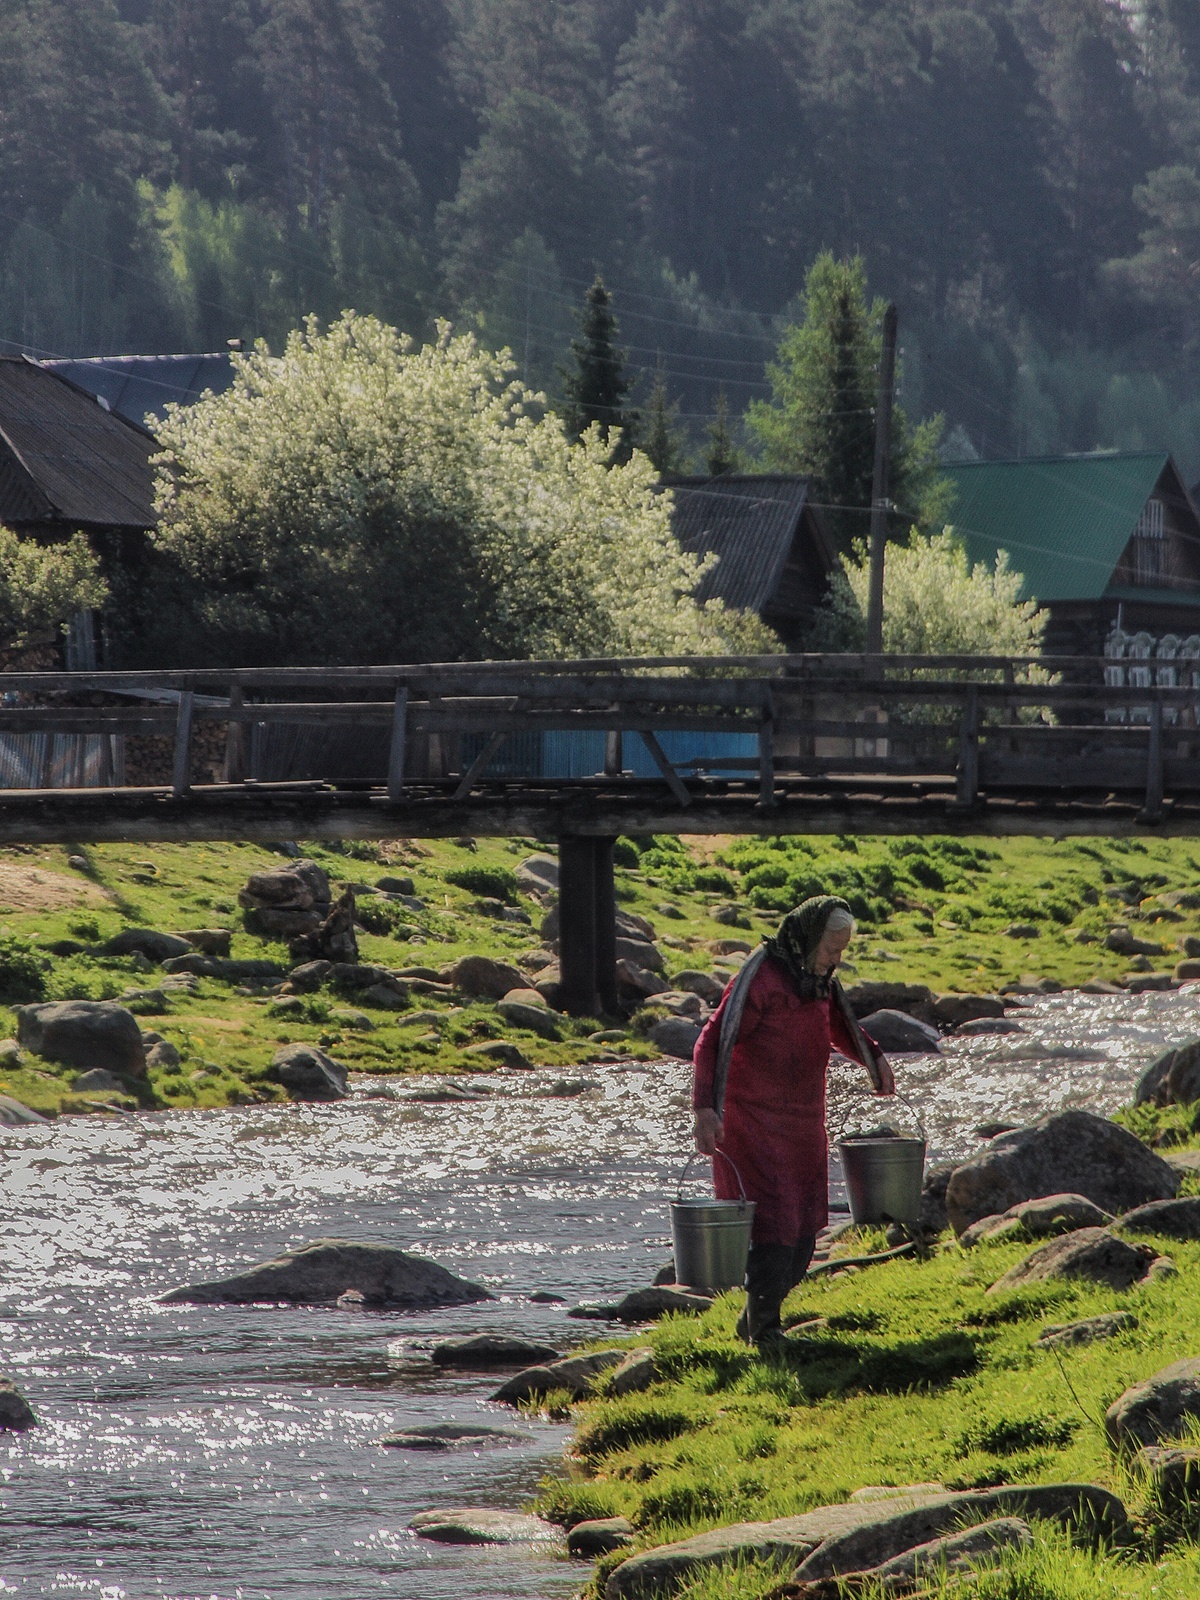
978, 724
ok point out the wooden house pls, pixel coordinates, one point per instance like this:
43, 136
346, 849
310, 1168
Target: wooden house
1105, 542
774, 551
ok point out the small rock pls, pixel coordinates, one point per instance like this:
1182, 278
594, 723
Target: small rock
163, 1055
675, 1036
1162, 1406
98, 1081
1022, 930
487, 1351
356, 1021
1093, 1254
79, 863
642, 953
952, 1010
500, 1051
537, 1019
543, 1297
309, 1074
1122, 942
209, 941
586, 1540
478, 1525
526, 997
1173, 1478
730, 947
16, 1414
538, 874
1106, 1326
731, 915
896, 1031
450, 1436
1161, 1267
309, 975
636, 1373
84, 1034
1175, 1219
321, 1272
394, 885
482, 978
643, 1305
636, 983
709, 989
1038, 1219
573, 1373
985, 1025
287, 1005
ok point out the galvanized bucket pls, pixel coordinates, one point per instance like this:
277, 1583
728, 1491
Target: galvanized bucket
711, 1237
883, 1178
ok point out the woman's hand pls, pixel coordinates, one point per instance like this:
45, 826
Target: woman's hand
887, 1077
710, 1130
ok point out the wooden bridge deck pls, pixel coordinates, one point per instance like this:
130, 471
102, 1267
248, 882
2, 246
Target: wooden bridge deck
845, 744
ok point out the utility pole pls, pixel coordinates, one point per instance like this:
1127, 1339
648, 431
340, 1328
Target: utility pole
879, 483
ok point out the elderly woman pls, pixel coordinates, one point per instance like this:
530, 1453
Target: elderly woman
759, 1096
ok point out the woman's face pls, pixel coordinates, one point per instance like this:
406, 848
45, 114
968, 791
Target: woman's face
830, 950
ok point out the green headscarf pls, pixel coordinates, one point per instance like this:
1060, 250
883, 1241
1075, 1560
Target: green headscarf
795, 944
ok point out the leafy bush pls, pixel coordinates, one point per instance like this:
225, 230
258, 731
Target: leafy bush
499, 883
23, 972
625, 854
714, 882
383, 918
84, 928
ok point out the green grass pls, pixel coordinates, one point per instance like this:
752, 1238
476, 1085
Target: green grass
914, 1374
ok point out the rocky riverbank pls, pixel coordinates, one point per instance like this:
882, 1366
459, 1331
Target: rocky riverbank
410, 958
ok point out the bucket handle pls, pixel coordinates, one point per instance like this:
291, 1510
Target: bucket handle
917, 1117
687, 1166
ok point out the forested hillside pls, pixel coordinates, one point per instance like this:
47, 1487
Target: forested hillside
1023, 176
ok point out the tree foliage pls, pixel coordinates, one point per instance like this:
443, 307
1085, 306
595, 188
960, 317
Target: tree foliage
821, 420
364, 499
935, 602
595, 385
41, 586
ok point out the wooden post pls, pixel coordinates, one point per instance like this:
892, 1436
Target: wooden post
395, 781
181, 778
766, 752
606, 924
577, 925
614, 754
879, 482
235, 739
968, 750
1153, 809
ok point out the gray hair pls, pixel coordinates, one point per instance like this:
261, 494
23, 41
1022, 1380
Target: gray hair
839, 921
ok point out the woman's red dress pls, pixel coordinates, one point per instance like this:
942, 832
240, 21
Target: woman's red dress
774, 1112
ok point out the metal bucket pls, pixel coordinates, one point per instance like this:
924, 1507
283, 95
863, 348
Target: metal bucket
711, 1237
883, 1178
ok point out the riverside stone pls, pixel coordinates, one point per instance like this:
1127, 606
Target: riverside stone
879, 995
538, 874
490, 1350
1162, 1406
1170, 1074
675, 1036
84, 1034
98, 1081
636, 983
211, 941
636, 1373
16, 1414
15, 1115
450, 1436
309, 1074
320, 1272
1063, 1335
537, 1019
954, 1552
481, 1525
1176, 1219
572, 1373
1173, 1478
897, 1031
642, 953
709, 989
1073, 1152
985, 1025
1093, 1254
499, 1050
952, 1010
1038, 1219
586, 1540
482, 978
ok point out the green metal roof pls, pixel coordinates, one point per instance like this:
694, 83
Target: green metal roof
1064, 520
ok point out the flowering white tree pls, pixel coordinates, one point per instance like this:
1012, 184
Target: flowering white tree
361, 499
934, 602
42, 585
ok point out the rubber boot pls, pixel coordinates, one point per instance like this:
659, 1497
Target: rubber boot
772, 1272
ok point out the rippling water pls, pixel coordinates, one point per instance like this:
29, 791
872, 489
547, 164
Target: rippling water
192, 1452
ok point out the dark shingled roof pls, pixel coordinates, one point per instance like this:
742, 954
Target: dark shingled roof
65, 459
750, 522
142, 386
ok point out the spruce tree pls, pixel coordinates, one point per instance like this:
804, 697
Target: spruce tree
595, 387
722, 455
663, 439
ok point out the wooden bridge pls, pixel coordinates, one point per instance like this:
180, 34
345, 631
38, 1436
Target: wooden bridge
781, 744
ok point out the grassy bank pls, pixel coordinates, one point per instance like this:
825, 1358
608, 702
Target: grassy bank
957, 915
907, 1372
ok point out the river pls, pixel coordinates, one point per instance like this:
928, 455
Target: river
189, 1452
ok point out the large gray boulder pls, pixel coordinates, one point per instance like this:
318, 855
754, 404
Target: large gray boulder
574, 1374
1162, 1406
483, 978
321, 1272
1092, 1254
1075, 1152
84, 1034
1172, 1078
878, 994
155, 946
16, 1414
286, 902
1175, 1219
309, 1074
675, 1036
953, 1010
896, 1031
1066, 1335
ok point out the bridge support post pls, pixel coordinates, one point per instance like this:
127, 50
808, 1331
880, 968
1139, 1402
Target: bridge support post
587, 926
1153, 810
